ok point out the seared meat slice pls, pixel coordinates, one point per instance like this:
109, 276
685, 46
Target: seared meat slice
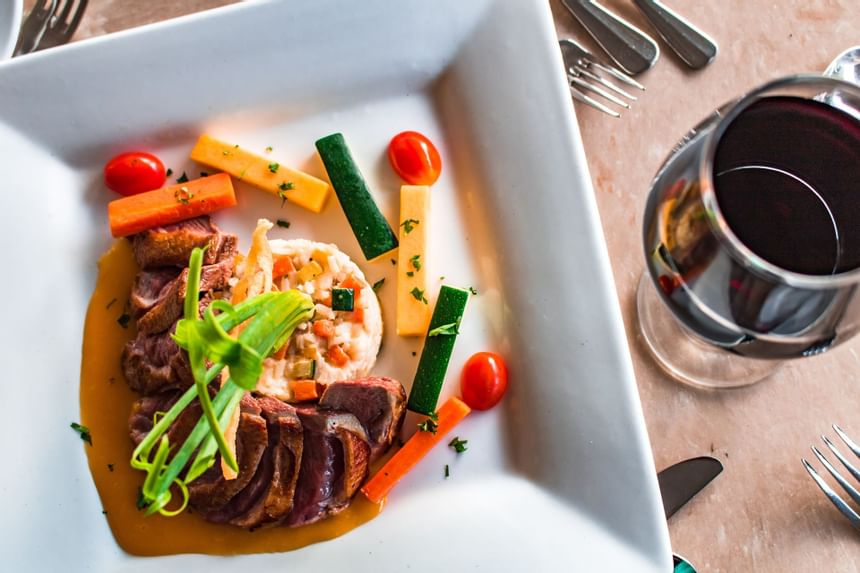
378, 403
153, 363
167, 307
269, 496
141, 420
149, 287
211, 491
334, 464
171, 245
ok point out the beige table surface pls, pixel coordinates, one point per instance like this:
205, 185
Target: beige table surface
763, 513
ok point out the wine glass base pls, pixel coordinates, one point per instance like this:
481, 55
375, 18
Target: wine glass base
687, 358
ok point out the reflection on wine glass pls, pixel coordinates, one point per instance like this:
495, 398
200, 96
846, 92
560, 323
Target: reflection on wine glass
752, 235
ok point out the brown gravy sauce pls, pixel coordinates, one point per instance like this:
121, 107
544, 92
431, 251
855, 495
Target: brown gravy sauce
105, 405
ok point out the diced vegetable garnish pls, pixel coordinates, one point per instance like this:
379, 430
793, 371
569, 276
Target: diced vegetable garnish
294, 186
305, 369
309, 272
304, 390
437, 351
484, 380
171, 204
323, 328
134, 172
449, 415
413, 313
283, 265
342, 299
372, 231
337, 356
414, 157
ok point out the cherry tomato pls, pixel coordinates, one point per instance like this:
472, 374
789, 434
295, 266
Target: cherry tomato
484, 380
414, 158
134, 172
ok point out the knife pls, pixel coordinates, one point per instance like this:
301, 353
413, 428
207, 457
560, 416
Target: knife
679, 483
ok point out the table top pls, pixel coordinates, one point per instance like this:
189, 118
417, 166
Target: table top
763, 513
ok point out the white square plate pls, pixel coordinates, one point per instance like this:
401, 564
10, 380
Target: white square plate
560, 477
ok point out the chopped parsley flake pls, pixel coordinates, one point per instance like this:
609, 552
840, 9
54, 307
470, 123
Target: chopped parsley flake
182, 178
84, 432
473, 290
269, 149
169, 172
286, 186
283, 223
110, 304
416, 262
273, 167
123, 320
430, 424
418, 294
110, 467
393, 262
378, 284
458, 444
183, 195
409, 224
282, 189
414, 353
447, 471
410, 274
204, 174
226, 153
452, 329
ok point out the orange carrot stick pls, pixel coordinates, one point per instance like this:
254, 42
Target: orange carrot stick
450, 414
304, 390
171, 204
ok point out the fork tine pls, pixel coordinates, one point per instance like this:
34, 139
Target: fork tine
76, 19
849, 489
617, 74
848, 441
854, 471
579, 96
603, 82
60, 18
579, 82
833, 496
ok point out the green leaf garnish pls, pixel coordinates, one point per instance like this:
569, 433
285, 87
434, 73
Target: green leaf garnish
418, 294
182, 178
458, 444
284, 224
430, 424
473, 290
451, 329
183, 195
410, 274
169, 172
416, 262
447, 471
83, 432
273, 167
409, 224
269, 149
378, 284
123, 320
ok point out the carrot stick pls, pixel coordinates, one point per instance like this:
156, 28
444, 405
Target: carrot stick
304, 390
450, 414
171, 204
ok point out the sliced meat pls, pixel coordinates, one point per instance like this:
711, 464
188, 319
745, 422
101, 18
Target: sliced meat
153, 363
211, 492
149, 287
168, 306
378, 403
143, 412
171, 245
268, 498
334, 464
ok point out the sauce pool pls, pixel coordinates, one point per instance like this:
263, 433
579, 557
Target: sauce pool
106, 402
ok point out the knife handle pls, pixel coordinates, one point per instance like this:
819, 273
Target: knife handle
631, 48
692, 45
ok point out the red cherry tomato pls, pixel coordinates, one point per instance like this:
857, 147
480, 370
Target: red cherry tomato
414, 158
134, 172
484, 380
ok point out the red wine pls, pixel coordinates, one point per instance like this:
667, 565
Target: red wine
786, 183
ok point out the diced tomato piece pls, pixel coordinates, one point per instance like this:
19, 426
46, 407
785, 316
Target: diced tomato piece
337, 356
283, 266
304, 390
358, 315
355, 285
323, 328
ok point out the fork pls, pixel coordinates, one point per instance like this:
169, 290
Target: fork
34, 26
59, 26
585, 73
840, 504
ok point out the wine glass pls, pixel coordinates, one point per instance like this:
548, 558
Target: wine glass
752, 235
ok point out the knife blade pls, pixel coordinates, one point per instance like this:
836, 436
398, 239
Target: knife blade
681, 481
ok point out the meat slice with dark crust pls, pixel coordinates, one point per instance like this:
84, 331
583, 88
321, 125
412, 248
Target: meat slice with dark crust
334, 464
171, 245
168, 306
212, 491
143, 412
149, 287
268, 498
379, 404
154, 363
